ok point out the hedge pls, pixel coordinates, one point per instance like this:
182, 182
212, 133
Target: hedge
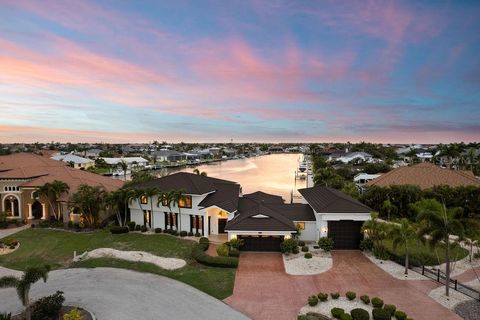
198, 253
118, 230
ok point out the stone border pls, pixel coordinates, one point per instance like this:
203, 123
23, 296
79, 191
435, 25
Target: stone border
11, 250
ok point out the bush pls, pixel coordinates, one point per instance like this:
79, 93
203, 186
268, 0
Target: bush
119, 230
326, 244
322, 296
198, 253
304, 249
158, 230
131, 225
365, 299
48, 307
234, 252
346, 316
301, 243
312, 301
190, 234
400, 315
138, 227
476, 255
377, 302
360, 314
143, 229
183, 233
288, 245
74, 314
335, 295
223, 250
236, 243
337, 312
197, 234
350, 295
308, 255
5, 316
70, 224
295, 250
390, 308
380, 314
174, 232
366, 244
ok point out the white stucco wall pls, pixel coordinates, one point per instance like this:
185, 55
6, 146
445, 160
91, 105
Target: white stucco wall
310, 231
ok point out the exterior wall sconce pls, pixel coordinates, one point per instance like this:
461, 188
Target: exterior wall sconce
324, 230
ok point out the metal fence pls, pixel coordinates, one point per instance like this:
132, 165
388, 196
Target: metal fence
439, 276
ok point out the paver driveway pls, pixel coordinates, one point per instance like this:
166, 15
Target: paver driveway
264, 291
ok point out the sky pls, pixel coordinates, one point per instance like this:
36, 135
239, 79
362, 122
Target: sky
248, 70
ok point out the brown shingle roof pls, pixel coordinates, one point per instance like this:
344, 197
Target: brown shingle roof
425, 175
329, 200
39, 170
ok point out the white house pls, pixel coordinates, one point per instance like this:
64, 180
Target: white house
76, 161
356, 156
215, 206
130, 161
362, 178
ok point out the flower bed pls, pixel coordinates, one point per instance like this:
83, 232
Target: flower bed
8, 246
298, 264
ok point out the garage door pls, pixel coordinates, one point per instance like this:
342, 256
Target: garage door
345, 234
261, 243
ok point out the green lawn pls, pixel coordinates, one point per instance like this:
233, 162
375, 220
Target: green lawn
43, 246
426, 254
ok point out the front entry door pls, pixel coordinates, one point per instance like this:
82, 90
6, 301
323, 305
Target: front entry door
221, 225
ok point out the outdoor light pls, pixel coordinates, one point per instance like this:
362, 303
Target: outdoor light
234, 236
288, 236
324, 229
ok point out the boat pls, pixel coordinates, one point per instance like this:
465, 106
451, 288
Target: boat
303, 166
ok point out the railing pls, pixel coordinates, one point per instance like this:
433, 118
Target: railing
440, 277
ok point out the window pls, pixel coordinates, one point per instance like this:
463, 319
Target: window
185, 202
164, 201
143, 199
301, 225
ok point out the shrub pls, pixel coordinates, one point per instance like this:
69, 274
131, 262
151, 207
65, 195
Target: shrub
48, 307
236, 243
360, 314
197, 234
312, 301
138, 227
183, 233
288, 245
326, 244
131, 225
158, 230
74, 314
337, 312
118, 230
400, 315
234, 252
335, 295
322, 296
199, 255
223, 250
346, 316
203, 239
380, 314
308, 255
295, 250
5, 316
70, 224
366, 244
143, 229
190, 234
304, 249
365, 299
476, 255
301, 243
390, 308
174, 233
377, 302
350, 295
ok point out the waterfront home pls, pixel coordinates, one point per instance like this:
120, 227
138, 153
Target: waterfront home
21, 174
363, 178
131, 162
355, 156
213, 206
168, 155
74, 161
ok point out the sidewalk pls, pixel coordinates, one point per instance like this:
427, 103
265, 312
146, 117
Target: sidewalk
6, 232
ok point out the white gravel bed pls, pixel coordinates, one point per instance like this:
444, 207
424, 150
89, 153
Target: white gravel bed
342, 302
394, 269
455, 297
138, 256
460, 266
298, 265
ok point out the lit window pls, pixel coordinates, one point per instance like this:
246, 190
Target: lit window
301, 225
185, 202
164, 201
144, 199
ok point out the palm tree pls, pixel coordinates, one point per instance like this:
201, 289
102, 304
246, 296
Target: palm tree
471, 153
374, 228
401, 234
387, 207
51, 191
124, 167
177, 197
23, 285
150, 193
166, 199
440, 224
90, 201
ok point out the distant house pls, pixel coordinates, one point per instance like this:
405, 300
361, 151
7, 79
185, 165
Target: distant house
74, 160
356, 156
168, 155
363, 178
425, 175
131, 161
93, 153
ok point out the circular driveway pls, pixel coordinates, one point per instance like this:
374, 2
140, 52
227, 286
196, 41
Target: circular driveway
124, 295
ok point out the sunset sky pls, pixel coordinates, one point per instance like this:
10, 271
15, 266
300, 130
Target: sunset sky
274, 71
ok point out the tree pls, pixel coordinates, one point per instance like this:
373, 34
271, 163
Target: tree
90, 200
167, 199
388, 208
23, 285
401, 234
202, 173
51, 192
116, 200
124, 167
375, 229
440, 223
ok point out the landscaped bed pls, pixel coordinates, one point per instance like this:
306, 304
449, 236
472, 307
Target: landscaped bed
8, 246
55, 248
297, 264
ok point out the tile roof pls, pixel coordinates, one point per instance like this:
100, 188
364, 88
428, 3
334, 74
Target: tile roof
39, 170
264, 197
425, 175
225, 197
294, 211
328, 200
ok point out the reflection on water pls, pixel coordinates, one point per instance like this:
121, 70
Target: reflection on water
273, 173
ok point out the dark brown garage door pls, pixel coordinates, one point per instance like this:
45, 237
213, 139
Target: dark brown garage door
261, 243
345, 234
